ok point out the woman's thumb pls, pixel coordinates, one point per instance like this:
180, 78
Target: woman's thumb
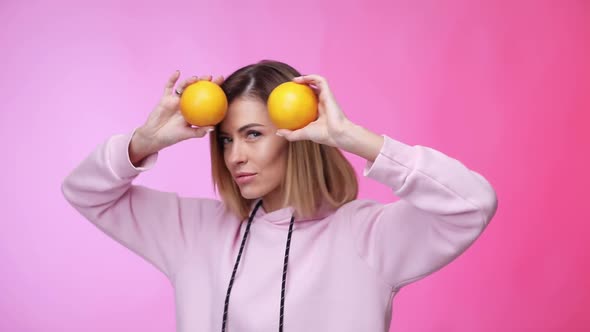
202, 131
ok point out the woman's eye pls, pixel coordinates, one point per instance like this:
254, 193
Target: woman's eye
254, 133
224, 140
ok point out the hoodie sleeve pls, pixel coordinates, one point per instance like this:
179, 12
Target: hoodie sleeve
443, 208
151, 223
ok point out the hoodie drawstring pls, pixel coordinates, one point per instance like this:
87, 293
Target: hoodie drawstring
286, 261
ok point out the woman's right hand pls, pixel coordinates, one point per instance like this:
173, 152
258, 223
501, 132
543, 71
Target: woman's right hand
165, 125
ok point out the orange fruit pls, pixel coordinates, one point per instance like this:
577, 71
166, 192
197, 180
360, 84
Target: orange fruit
292, 106
203, 103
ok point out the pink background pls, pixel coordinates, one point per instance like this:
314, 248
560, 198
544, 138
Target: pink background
503, 86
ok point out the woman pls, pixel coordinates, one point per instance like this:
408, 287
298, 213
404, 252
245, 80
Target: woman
289, 244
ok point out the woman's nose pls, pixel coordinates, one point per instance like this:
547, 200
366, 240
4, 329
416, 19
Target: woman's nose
237, 154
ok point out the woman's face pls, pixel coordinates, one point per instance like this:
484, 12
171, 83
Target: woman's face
251, 146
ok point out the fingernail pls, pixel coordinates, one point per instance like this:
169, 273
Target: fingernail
279, 134
210, 129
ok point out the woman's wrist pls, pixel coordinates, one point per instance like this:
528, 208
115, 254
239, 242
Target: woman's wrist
360, 141
139, 147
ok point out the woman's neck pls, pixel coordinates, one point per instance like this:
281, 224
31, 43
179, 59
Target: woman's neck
273, 201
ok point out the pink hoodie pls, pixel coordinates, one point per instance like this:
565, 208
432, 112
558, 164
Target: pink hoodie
345, 265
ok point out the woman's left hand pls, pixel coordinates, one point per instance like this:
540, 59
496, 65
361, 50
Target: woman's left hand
331, 122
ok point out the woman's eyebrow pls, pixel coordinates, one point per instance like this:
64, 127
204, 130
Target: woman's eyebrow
250, 125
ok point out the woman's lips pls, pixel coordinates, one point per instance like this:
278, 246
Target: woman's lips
245, 179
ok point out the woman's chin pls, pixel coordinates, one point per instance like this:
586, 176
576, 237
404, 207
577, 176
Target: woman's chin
253, 192
249, 193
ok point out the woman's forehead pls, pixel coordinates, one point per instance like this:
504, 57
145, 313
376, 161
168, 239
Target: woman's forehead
244, 111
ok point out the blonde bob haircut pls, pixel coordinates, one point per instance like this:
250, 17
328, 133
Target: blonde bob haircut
316, 174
